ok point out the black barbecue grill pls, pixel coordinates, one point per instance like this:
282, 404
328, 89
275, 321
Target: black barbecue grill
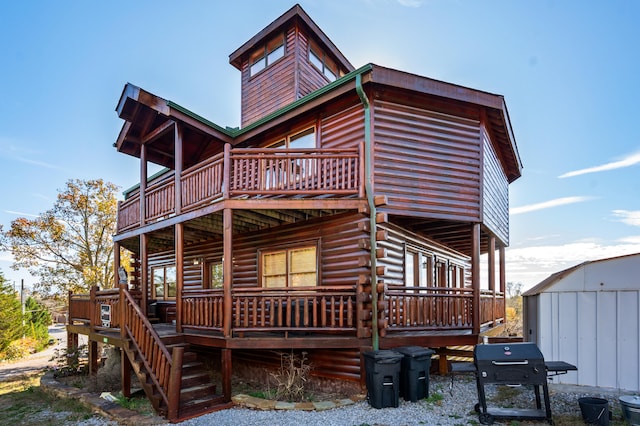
512, 364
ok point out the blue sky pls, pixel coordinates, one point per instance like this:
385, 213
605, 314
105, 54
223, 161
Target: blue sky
568, 70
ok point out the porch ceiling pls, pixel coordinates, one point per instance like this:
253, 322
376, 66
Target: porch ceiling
455, 235
210, 227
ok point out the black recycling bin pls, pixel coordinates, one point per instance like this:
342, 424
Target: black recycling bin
414, 373
383, 378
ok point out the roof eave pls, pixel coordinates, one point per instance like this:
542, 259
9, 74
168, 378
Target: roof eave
296, 11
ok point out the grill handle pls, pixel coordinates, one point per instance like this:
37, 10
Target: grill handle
525, 362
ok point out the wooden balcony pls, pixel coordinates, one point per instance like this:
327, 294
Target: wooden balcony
312, 311
248, 173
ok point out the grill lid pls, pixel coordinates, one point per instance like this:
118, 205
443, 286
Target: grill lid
507, 352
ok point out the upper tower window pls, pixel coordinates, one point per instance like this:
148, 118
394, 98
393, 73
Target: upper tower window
321, 61
267, 54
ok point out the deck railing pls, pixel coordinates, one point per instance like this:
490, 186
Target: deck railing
203, 309
330, 309
429, 308
251, 172
491, 312
79, 308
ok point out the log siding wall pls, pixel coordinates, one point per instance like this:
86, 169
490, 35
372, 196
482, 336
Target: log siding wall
341, 242
495, 188
427, 163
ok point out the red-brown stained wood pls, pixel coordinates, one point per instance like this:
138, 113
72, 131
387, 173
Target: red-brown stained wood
427, 164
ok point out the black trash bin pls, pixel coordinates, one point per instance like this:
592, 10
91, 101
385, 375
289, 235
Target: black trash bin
414, 374
383, 378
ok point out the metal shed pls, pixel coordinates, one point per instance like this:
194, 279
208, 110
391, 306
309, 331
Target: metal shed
589, 316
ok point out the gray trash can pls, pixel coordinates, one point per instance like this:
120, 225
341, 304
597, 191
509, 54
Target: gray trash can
414, 374
383, 378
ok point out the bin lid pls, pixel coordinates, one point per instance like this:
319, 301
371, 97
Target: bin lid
415, 351
631, 400
384, 356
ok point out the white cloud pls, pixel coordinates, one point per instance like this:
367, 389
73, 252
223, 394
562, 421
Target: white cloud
548, 204
632, 239
628, 161
410, 3
20, 213
629, 217
530, 265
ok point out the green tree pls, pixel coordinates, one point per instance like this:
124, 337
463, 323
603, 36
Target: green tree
70, 246
10, 315
37, 321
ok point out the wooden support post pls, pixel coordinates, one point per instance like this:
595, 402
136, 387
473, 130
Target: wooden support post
116, 264
226, 172
178, 167
443, 366
503, 282
92, 308
93, 357
227, 372
144, 273
143, 183
227, 269
72, 342
123, 313
491, 263
475, 276
125, 373
179, 247
175, 381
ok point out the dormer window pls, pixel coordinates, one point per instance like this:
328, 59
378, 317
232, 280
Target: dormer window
267, 54
320, 60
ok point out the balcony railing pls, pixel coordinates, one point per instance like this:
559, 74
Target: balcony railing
251, 172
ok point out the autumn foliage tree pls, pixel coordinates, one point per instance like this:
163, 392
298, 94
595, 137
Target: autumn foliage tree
69, 247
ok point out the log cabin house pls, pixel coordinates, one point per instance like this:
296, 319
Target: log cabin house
349, 212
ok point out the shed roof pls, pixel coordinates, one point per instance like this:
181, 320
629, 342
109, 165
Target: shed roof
556, 277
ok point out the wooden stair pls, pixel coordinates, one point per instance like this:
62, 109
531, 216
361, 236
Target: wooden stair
197, 392
177, 384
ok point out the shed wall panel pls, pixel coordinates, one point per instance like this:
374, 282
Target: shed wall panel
586, 356
605, 345
628, 340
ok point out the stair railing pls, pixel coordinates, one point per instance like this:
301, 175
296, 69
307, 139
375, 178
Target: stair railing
164, 369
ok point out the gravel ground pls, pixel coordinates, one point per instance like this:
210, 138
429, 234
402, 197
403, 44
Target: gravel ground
456, 407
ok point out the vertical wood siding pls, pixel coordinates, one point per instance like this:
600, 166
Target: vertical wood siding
427, 163
495, 188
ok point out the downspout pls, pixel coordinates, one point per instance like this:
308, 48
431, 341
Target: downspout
372, 210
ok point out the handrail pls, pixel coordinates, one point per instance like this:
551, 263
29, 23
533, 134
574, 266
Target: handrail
155, 356
249, 172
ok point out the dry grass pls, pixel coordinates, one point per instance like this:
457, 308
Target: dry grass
23, 402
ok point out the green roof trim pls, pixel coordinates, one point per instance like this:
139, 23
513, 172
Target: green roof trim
311, 96
198, 118
234, 131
